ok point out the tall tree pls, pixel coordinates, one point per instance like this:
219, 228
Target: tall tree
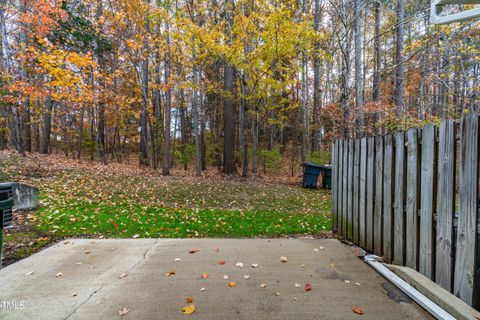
399, 68
229, 101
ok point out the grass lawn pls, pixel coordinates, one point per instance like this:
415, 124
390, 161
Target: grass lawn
83, 201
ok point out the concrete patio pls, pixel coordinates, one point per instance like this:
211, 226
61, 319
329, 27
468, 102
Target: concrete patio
95, 279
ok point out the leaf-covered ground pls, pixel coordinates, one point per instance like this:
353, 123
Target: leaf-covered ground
121, 201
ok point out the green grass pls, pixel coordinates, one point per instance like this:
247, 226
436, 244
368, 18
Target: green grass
76, 203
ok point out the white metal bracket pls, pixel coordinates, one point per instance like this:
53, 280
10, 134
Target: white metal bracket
439, 5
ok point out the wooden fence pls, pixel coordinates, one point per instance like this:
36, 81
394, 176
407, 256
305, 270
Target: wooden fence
412, 198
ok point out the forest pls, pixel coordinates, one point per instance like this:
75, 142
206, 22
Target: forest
225, 84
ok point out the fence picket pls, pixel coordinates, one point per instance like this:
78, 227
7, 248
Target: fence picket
388, 198
446, 205
345, 188
427, 201
356, 189
399, 200
350, 190
378, 216
411, 230
363, 191
370, 187
467, 219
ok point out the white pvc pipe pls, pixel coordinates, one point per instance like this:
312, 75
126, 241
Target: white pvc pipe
433, 308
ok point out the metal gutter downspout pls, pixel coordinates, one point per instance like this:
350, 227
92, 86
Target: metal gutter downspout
417, 296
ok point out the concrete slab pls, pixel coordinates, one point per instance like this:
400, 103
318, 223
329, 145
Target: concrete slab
82, 279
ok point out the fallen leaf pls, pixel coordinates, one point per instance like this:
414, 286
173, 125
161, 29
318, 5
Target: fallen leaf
226, 277
136, 236
87, 252
276, 293
177, 259
246, 276
29, 273
59, 274
169, 273
78, 263
74, 295
239, 264
123, 275
188, 299
188, 309
263, 285
308, 287
283, 259
232, 284
302, 266
315, 250
357, 310
217, 250
322, 248
332, 266
204, 275
347, 281
254, 265
203, 289
193, 251
123, 312
221, 262
357, 283
297, 285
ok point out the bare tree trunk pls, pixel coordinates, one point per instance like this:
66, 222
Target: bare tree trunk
378, 54
228, 102
144, 114
317, 93
101, 102
255, 144
195, 107
358, 66
168, 112
400, 69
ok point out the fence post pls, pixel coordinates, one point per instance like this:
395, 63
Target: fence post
388, 159
399, 200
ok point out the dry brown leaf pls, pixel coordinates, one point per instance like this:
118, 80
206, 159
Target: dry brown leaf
204, 275
123, 275
308, 287
357, 310
188, 299
169, 273
193, 251
59, 274
221, 262
232, 284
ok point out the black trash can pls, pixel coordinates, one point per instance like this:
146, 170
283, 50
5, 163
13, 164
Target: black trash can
311, 171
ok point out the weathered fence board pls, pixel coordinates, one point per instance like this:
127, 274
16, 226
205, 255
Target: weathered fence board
344, 189
467, 218
350, 190
356, 188
334, 185
388, 199
399, 201
370, 192
378, 217
446, 205
340, 186
363, 191
411, 230
427, 202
